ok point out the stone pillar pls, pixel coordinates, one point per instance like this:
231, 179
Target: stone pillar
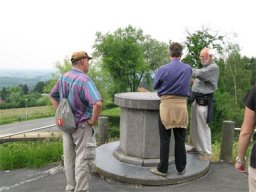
228, 129
103, 130
139, 132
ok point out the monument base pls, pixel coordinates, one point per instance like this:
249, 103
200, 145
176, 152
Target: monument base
109, 166
138, 161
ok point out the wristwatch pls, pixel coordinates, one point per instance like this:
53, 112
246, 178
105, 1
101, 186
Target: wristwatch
240, 161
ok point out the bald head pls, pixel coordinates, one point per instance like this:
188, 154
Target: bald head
205, 50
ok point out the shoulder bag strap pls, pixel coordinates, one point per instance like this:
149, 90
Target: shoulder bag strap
61, 87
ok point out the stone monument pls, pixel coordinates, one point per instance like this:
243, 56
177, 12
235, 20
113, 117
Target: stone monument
130, 159
139, 132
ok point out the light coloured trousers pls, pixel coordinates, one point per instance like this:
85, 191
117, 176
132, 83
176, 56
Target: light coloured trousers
79, 157
252, 179
199, 129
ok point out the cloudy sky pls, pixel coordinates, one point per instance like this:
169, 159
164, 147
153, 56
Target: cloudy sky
38, 33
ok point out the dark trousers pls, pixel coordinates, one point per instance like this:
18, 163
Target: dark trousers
179, 149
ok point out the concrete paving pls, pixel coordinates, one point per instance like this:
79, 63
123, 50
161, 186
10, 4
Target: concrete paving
221, 178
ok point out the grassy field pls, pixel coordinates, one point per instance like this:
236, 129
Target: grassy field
22, 114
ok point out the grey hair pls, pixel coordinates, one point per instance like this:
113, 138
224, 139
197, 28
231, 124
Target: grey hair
212, 53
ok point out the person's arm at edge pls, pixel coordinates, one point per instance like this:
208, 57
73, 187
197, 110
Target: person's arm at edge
54, 102
244, 137
97, 108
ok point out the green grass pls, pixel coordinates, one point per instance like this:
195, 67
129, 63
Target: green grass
111, 112
113, 115
19, 114
32, 154
216, 151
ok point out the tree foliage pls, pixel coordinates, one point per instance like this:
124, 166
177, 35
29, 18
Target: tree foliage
4, 93
39, 87
24, 88
15, 98
127, 54
200, 39
233, 83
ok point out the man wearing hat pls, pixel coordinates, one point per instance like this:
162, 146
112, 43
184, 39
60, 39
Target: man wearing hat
86, 104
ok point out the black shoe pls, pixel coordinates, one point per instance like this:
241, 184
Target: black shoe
182, 172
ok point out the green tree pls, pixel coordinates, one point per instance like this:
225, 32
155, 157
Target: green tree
32, 98
198, 40
39, 87
155, 54
49, 85
127, 54
234, 83
16, 95
24, 88
4, 93
251, 66
103, 81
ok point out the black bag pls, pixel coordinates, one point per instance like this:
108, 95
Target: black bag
202, 100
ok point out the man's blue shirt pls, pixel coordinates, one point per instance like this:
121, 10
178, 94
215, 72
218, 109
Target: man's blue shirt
173, 79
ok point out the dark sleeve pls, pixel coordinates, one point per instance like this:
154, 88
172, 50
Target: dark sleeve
250, 99
157, 79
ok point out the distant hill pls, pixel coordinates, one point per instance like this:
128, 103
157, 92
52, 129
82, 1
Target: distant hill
31, 77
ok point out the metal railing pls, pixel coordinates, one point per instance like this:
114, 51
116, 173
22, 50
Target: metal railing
239, 129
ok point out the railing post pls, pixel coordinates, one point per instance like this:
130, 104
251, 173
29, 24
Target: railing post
103, 130
226, 149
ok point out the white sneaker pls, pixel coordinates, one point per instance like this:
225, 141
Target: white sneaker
156, 172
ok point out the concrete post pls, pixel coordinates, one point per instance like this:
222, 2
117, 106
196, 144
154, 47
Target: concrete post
226, 149
103, 130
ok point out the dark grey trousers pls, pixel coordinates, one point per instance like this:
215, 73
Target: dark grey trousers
179, 149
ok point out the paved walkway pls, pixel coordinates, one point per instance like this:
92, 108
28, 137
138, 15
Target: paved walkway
220, 178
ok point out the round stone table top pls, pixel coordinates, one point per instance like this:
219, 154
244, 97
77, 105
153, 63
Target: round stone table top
138, 100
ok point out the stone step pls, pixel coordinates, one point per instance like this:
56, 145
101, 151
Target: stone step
109, 166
